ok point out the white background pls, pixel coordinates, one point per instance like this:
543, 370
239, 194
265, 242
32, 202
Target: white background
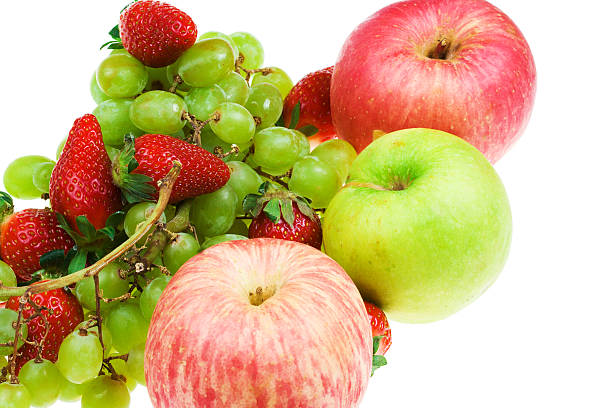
540, 337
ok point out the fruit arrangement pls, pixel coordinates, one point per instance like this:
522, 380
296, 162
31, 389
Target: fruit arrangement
213, 234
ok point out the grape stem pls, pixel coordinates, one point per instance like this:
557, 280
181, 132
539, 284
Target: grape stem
249, 72
276, 179
23, 301
218, 151
198, 125
175, 83
165, 190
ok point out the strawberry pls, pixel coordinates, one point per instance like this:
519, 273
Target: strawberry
201, 172
282, 214
312, 93
26, 236
156, 33
381, 335
66, 315
82, 182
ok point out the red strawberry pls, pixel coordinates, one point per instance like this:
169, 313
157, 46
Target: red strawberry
66, 316
201, 173
312, 93
380, 327
82, 181
156, 33
283, 215
26, 236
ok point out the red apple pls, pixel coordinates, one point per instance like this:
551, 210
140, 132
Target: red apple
259, 323
461, 66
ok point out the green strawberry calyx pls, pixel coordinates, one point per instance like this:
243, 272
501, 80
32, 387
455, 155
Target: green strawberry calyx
276, 204
135, 187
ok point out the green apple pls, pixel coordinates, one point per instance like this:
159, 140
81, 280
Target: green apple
423, 226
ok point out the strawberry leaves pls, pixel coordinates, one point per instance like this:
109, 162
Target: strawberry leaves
135, 187
377, 360
276, 204
115, 43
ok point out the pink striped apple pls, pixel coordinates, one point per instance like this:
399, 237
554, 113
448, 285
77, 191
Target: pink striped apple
461, 66
259, 323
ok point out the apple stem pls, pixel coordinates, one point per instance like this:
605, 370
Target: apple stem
440, 51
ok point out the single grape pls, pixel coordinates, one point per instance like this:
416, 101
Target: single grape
70, 392
339, 154
136, 216
111, 285
266, 103
7, 332
239, 227
127, 326
19, 177
96, 93
213, 214
233, 124
114, 118
7, 277
42, 176
104, 392
135, 364
206, 62
276, 77
14, 395
158, 112
243, 180
202, 102
235, 87
210, 141
212, 241
250, 48
120, 367
276, 150
217, 34
121, 76
314, 179
80, 357
151, 294
43, 380
179, 250
158, 80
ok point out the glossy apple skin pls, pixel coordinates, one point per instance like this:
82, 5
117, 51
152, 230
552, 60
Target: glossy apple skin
423, 226
309, 345
484, 92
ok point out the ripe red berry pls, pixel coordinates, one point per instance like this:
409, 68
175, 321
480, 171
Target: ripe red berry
156, 33
380, 327
26, 236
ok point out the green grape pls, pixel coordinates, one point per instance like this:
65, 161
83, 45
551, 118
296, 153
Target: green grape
171, 76
179, 250
210, 141
42, 176
243, 180
158, 80
7, 332
206, 62
70, 392
213, 214
96, 93
106, 334
250, 48
19, 177
104, 392
121, 76
202, 102
234, 123
111, 285
127, 326
43, 380
276, 150
14, 395
276, 77
339, 154
120, 367
235, 87
7, 277
151, 294
136, 216
266, 103
212, 241
80, 357
112, 152
217, 34
239, 228
303, 142
135, 364
314, 179
158, 112
114, 118
3, 362
60, 148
